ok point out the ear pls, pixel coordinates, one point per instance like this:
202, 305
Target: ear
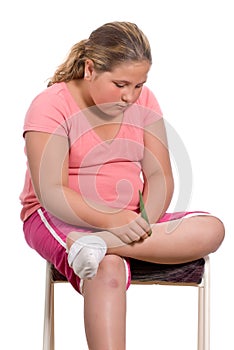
88, 69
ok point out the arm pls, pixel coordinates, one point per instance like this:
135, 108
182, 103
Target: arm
48, 162
157, 172
48, 157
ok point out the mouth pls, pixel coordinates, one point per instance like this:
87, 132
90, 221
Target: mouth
114, 108
122, 106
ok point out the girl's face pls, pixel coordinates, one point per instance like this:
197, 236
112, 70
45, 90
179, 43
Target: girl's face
114, 91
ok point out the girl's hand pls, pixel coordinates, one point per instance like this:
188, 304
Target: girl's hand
129, 227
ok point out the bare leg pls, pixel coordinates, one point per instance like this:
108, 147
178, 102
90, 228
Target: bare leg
171, 242
189, 239
105, 306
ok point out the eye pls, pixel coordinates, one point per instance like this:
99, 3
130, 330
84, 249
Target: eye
119, 85
139, 86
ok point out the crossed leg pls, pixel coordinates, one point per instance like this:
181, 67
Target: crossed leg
171, 242
177, 241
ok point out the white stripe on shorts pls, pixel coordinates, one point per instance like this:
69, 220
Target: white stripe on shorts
51, 230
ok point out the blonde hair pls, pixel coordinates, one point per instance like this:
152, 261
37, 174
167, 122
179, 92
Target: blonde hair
109, 45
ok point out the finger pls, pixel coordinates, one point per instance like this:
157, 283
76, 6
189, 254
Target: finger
129, 238
145, 236
143, 224
133, 236
137, 231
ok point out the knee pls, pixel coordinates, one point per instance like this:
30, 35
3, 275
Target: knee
112, 271
214, 231
218, 229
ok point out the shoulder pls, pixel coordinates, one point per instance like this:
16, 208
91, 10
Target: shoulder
53, 95
148, 100
49, 108
54, 102
146, 110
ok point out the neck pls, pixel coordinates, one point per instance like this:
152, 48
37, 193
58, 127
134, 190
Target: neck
80, 93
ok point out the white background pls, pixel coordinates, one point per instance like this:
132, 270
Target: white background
192, 77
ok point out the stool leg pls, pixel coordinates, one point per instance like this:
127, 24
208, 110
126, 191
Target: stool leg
204, 310
48, 336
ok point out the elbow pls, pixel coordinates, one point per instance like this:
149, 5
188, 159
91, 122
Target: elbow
169, 187
170, 184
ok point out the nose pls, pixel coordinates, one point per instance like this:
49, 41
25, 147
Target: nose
127, 96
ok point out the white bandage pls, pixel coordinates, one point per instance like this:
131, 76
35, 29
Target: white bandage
86, 254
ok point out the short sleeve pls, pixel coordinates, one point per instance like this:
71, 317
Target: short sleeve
47, 113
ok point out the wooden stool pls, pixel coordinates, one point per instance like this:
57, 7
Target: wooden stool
195, 273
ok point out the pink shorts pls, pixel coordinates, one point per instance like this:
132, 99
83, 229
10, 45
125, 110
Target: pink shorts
47, 235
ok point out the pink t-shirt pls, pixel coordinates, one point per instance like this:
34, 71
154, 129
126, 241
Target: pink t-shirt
104, 171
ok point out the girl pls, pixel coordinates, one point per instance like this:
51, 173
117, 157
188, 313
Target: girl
95, 138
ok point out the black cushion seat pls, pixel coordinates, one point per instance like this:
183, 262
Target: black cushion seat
146, 272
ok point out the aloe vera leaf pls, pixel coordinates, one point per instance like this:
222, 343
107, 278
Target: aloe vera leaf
143, 211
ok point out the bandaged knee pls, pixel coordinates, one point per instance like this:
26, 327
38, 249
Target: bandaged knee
85, 255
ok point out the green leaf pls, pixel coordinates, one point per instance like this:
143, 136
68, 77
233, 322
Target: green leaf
143, 211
